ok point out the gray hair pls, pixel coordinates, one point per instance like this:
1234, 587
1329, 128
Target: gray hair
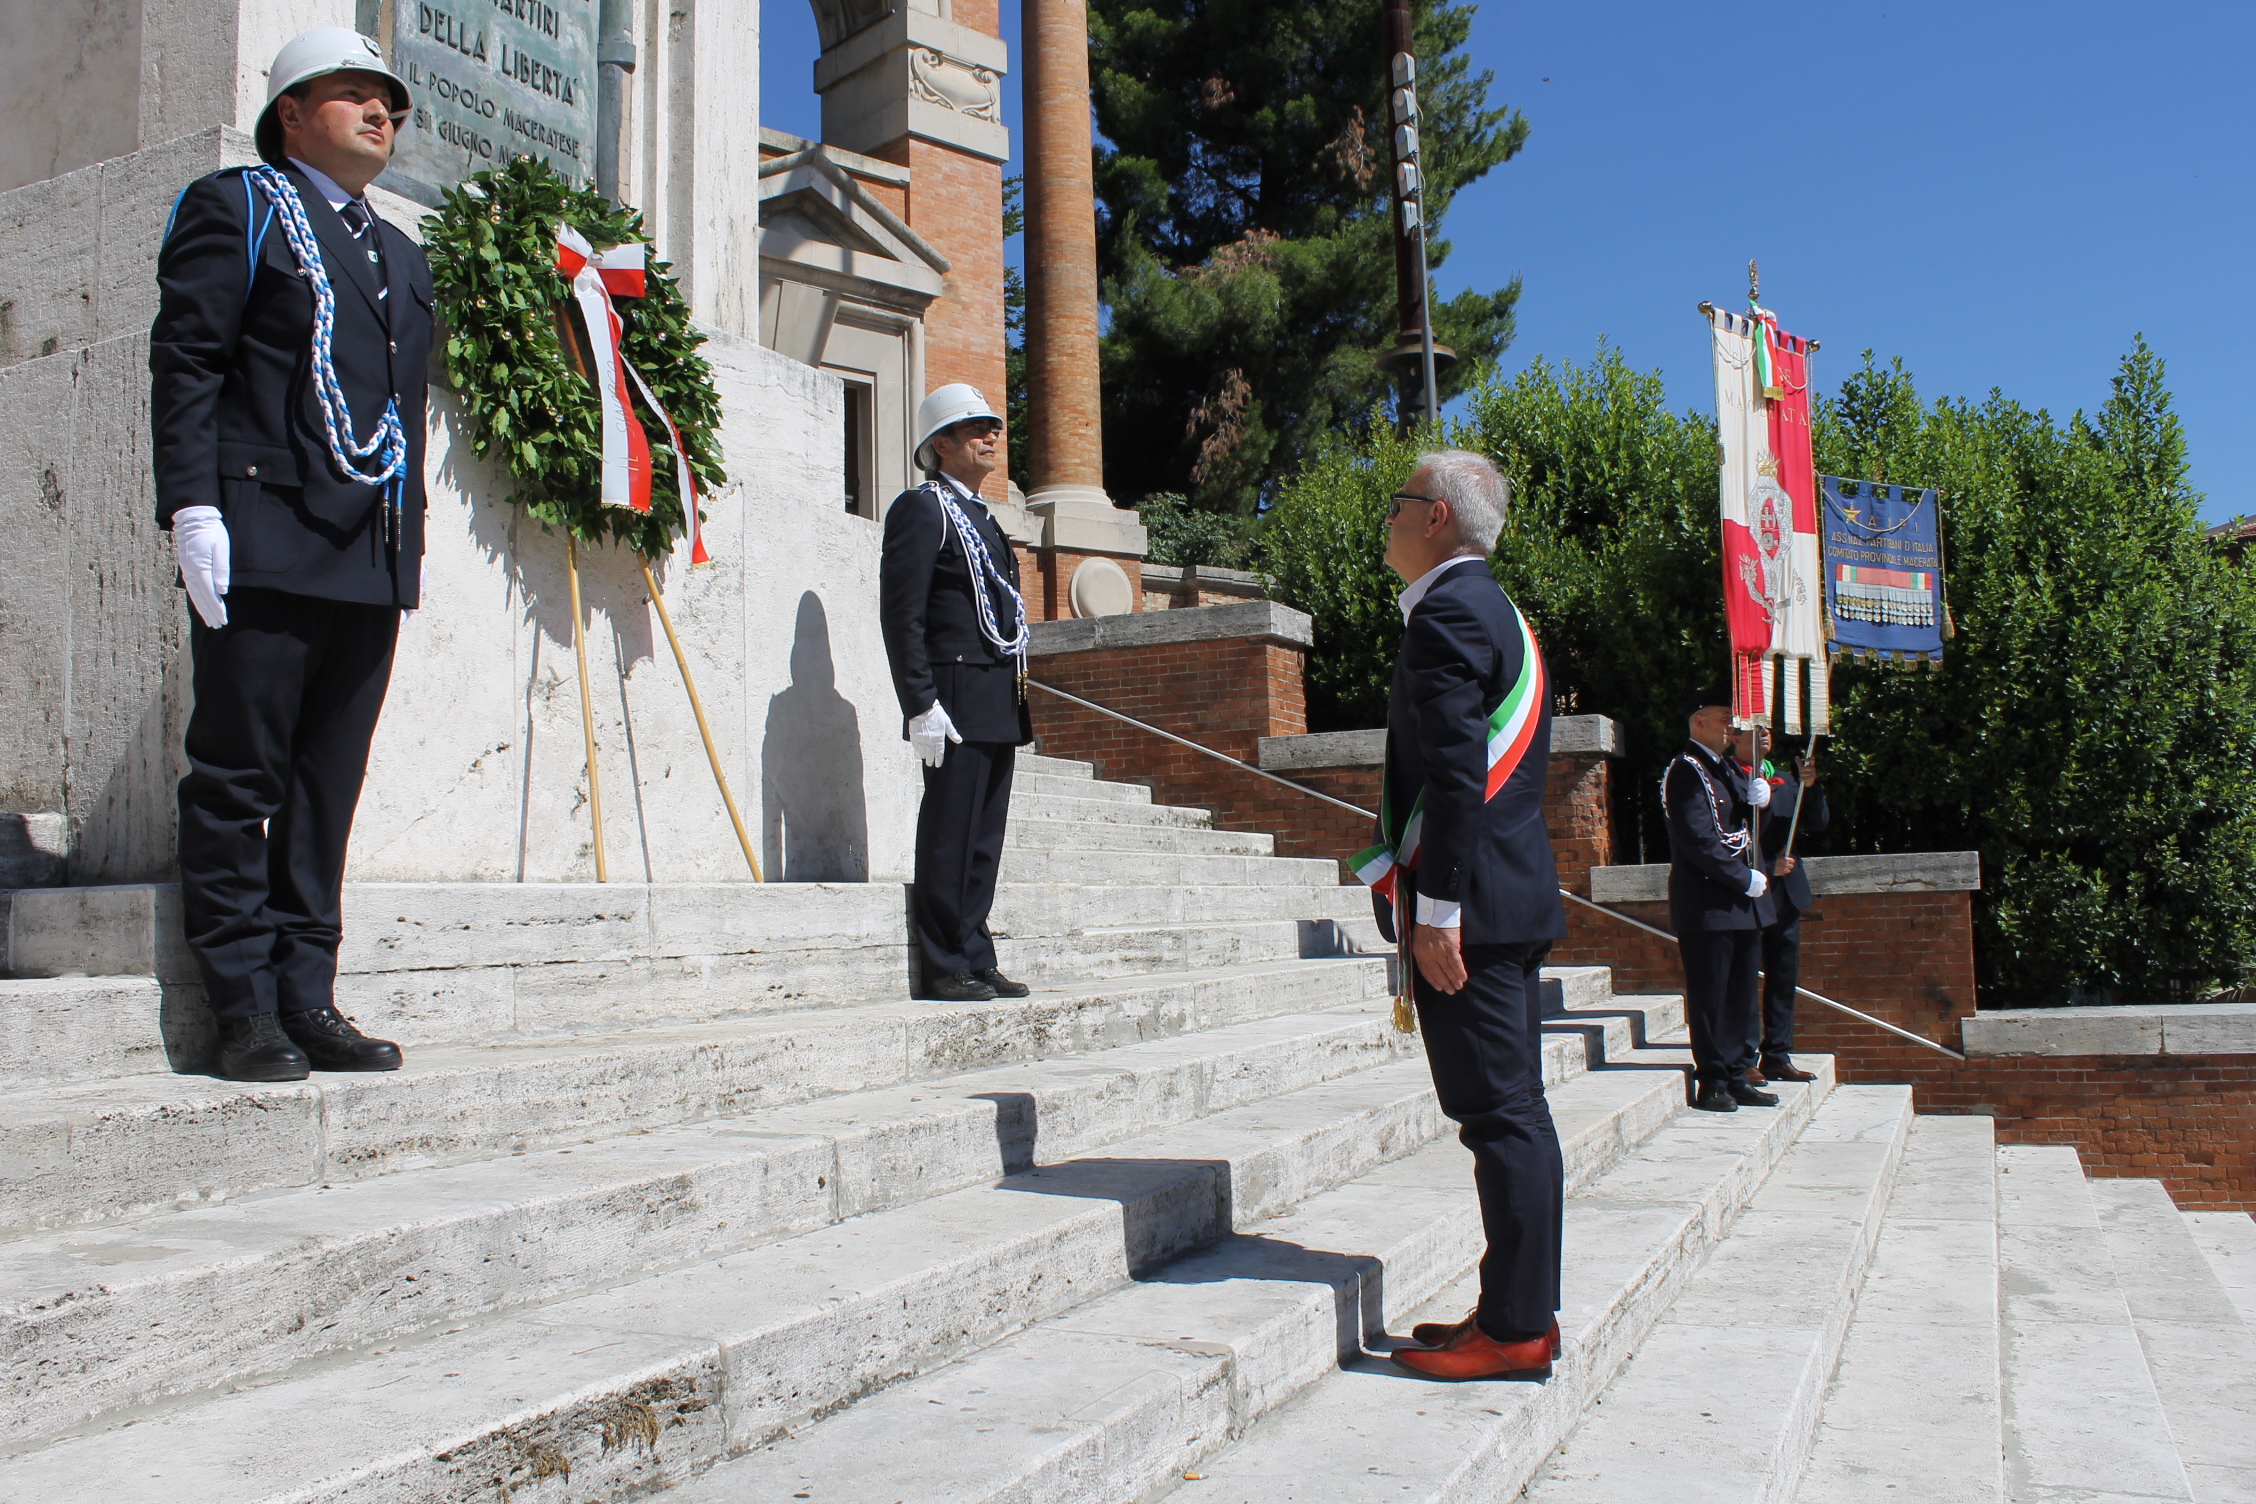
1478, 497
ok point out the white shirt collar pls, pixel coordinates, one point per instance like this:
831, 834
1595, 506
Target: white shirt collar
324, 184
960, 488
1409, 598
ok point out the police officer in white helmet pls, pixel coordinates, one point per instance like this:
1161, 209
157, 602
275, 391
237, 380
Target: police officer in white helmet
286, 397
955, 631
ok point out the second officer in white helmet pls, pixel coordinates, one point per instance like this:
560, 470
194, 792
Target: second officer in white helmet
956, 635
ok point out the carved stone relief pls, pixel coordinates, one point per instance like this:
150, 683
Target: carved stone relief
935, 78
836, 20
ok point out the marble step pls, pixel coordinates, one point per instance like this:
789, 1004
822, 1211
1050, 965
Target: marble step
1025, 783
1122, 1397
2228, 1241
1034, 864
1061, 767
96, 1151
1722, 1398
55, 1029
2199, 1351
719, 1356
1056, 960
1091, 835
98, 1319
1913, 1409
1031, 806
1024, 909
2083, 1420
1634, 1240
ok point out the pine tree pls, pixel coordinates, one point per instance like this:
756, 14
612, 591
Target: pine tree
1244, 230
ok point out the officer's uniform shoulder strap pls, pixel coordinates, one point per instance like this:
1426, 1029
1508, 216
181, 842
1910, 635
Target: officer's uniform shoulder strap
255, 223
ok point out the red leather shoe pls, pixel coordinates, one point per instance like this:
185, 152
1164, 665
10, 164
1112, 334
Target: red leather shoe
1473, 1354
1439, 1333
1756, 1078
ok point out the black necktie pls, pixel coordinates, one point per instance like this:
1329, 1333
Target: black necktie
356, 218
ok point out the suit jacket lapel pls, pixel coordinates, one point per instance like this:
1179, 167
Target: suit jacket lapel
338, 246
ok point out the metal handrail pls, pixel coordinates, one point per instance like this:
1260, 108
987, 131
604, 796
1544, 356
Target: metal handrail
1183, 741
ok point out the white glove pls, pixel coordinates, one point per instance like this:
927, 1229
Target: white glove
199, 542
930, 734
1759, 795
1757, 884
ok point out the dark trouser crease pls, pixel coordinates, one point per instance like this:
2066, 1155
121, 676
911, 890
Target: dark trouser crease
287, 698
1782, 970
959, 846
1719, 1001
1484, 1045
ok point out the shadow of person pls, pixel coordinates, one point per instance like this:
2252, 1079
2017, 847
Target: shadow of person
814, 818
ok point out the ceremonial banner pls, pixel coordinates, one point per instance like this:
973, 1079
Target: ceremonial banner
1771, 570
1884, 569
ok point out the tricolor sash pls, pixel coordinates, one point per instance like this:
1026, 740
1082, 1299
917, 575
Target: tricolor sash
1511, 731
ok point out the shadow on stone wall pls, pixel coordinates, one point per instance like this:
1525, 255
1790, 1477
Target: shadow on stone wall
814, 818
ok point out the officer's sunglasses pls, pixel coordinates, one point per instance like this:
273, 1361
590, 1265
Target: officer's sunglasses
975, 428
1394, 502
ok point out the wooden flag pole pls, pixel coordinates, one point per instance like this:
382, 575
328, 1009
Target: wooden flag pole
712, 754
587, 708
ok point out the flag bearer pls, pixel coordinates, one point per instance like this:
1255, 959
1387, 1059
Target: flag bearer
286, 396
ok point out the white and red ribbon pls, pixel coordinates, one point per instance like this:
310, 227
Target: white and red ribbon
596, 279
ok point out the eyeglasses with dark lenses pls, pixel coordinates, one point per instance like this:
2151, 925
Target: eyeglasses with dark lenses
1394, 502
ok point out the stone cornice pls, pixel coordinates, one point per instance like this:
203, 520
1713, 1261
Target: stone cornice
1254, 621
2175, 1029
1910, 872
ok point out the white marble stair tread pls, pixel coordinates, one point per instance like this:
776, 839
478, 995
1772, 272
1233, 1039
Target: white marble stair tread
2200, 1353
797, 1326
1059, 767
1912, 1412
1045, 806
1024, 782
99, 1150
1032, 830
1041, 864
2228, 1241
95, 1318
2083, 1421
1115, 1397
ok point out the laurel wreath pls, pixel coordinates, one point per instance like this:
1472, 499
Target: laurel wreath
492, 247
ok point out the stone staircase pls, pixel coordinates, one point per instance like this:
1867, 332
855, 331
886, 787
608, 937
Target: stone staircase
680, 1194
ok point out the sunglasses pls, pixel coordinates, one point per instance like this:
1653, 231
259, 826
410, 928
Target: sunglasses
975, 428
1394, 502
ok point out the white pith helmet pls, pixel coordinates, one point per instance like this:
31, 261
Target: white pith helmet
943, 408
309, 55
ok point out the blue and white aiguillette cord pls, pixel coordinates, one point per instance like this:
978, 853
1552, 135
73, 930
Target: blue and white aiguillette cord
983, 564
387, 446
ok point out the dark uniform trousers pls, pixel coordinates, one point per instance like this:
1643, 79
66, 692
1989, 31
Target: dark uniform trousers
1782, 972
1719, 1000
1485, 1047
287, 697
959, 846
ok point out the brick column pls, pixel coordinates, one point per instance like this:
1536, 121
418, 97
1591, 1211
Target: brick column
1066, 448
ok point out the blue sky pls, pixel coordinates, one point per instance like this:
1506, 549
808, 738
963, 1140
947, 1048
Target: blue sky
2000, 194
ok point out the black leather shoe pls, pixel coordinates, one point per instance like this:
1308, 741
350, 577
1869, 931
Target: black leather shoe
959, 987
1781, 1068
1004, 986
333, 1044
1715, 1097
1747, 1096
256, 1049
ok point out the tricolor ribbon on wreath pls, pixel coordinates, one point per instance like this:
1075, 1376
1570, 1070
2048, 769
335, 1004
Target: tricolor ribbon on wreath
597, 278
1511, 730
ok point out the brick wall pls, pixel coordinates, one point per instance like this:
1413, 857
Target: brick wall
955, 201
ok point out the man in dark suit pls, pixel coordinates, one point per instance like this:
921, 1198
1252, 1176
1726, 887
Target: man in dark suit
1468, 748
1789, 895
296, 506
955, 633
1718, 903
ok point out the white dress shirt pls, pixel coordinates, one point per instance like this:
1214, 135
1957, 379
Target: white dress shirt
1441, 915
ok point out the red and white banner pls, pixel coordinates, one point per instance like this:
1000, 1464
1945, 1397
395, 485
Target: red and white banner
1772, 584
597, 278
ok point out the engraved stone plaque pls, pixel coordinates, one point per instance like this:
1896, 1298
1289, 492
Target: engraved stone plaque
493, 80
